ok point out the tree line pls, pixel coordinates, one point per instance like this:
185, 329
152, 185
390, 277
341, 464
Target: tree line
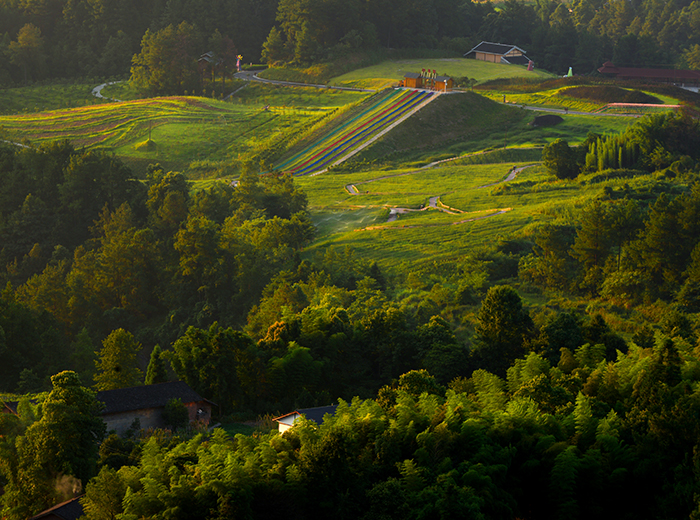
74, 39
88, 247
572, 435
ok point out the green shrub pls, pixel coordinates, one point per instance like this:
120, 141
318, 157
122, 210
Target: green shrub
176, 414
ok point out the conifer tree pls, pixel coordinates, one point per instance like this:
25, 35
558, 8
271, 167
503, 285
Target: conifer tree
156, 371
117, 366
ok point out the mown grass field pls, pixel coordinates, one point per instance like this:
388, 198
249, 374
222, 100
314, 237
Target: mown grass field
424, 239
199, 136
40, 97
462, 123
389, 73
558, 99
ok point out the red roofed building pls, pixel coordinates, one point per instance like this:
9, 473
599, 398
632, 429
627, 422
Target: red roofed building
675, 76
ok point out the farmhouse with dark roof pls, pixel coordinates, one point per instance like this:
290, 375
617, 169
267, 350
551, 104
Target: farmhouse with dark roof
498, 53
68, 510
146, 403
316, 415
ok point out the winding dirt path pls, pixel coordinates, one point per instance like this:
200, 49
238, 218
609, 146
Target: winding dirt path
433, 201
97, 91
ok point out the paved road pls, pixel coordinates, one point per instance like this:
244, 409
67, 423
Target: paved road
248, 75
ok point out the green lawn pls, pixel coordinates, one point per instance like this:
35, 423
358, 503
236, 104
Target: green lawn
201, 137
39, 97
389, 73
424, 239
557, 98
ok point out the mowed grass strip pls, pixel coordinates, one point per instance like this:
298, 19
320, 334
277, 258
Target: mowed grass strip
391, 72
429, 236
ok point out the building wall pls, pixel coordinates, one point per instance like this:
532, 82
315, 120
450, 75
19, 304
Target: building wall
203, 417
413, 82
493, 58
287, 422
153, 417
148, 418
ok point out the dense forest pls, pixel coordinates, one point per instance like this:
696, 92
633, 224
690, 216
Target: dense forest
456, 398
41, 39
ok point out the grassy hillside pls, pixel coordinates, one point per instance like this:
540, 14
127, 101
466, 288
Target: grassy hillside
456, 124
199, 136
480, 212
40, 97
390, 72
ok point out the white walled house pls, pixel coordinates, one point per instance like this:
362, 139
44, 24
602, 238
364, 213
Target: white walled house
316, 415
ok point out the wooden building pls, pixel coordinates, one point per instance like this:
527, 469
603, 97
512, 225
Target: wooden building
412, 80
427, 80
673, 76
498, 53
442, 83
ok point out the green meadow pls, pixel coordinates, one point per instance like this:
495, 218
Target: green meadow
484, 209
391, 72
201, 137
40, 97
481, 138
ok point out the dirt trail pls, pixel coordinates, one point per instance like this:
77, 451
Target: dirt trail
97, 91
433, 200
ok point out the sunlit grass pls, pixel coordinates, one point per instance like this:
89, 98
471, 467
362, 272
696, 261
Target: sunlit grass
40, 97
389, 73
423, 239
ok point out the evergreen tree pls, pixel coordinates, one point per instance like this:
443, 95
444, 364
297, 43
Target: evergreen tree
502, 326
156, 371
58, 451
592, 244
116, 365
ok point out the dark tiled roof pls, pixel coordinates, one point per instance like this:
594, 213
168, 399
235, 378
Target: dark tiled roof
517, 60
412, 75
316, 414
70, 510
641, 73
313, 414
494, 48
149, 396
11, 406
442, 78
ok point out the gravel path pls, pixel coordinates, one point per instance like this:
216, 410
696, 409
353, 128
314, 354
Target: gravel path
97, 91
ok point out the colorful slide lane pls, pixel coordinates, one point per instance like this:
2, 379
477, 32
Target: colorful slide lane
362, 136
377, 106
353, 133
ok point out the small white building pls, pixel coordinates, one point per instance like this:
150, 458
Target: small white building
316, 415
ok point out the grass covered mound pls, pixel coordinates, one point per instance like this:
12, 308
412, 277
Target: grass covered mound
147, 145
468, 120
609, 94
